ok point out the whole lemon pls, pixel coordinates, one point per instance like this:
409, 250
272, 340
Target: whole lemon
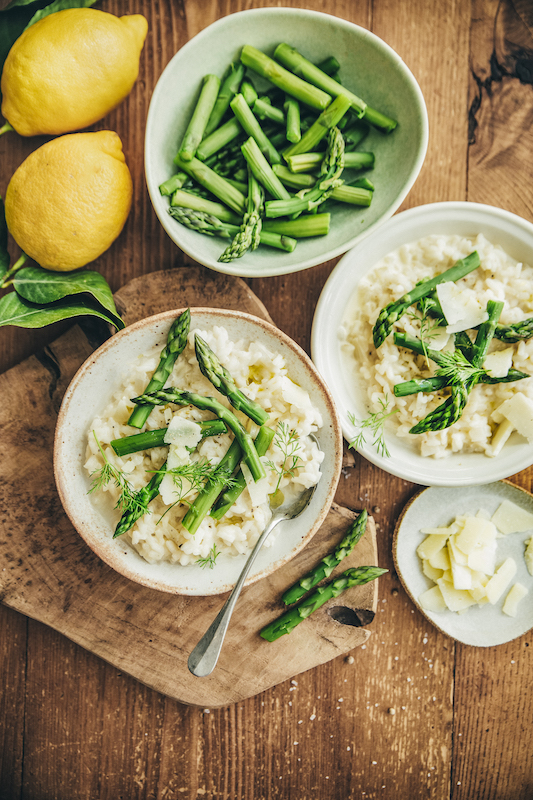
70, 69
69, 200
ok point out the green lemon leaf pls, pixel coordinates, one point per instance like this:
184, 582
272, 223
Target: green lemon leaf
4, 255
42, 286
59, 5
16, 311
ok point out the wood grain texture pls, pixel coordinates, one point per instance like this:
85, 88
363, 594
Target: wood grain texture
76, 727
52, 576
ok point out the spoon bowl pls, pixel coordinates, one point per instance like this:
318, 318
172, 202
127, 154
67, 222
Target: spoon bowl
204, 657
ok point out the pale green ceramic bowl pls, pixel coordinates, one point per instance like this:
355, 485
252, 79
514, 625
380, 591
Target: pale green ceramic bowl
369, 67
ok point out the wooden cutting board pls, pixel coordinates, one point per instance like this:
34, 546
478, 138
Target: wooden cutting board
48, 572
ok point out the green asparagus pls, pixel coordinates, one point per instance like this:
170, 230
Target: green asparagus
176, 341
156, 438
326, 566
286, 81
183, 398
251, 126
213, 182
329, 118
229, 88
187, 200
202, 504
198, 123
143, 498
219, 376
212, 226
389, 315
292, 119
288, 621
228, 497
262, 170
249, 235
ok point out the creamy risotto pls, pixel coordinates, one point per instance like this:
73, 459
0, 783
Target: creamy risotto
499, 277
262, 375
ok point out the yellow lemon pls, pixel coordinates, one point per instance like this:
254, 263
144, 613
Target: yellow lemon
70, 69
69, 200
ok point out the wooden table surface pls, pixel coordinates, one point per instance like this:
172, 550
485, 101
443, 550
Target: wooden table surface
411, 715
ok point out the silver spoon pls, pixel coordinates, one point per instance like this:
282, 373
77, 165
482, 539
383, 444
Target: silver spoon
204, 657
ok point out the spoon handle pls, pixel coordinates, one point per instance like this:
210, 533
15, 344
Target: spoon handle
204, 657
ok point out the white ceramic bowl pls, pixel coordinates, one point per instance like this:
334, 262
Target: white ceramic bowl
484, 626
89, 393
368, 66
515, 235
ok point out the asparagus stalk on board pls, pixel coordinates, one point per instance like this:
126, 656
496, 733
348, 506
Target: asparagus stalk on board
176, 341
249, 235
198, 123
325, 567
229, 88
288, 621
143, 498
395, 310
229, 496
450, 411
219, 376
183, 398
292, 59
212, 226
286, 81
156, 438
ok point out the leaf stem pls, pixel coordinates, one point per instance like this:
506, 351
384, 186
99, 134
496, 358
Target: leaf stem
16, 266
6, 127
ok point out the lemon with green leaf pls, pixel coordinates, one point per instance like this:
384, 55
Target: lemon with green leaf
69, 200
70, 69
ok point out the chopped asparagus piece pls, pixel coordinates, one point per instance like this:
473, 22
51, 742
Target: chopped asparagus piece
202, 112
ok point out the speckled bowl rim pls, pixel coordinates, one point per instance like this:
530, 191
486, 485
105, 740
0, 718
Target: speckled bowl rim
109, 553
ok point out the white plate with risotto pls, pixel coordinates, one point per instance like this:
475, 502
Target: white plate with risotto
427, 516
97, 486
416, 245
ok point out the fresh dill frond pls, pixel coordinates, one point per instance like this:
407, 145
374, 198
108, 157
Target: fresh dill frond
210, 558
428, 325
374, 424
190, 477
457, 369
128, 499
287, 441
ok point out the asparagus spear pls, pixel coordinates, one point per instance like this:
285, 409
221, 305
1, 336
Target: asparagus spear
292, 59
248, 92
246, 118
207, 496
262, 170
156, 438
435, 383
229, 497
176, 341
214, 183
211, 226
330, 65
143, 497
219, 139
450, 411
329, 118
283, 79
292, 119
264, 109
329, 178
202, 112
249, 234
516, 332
325, 567
192, 201
172, 184
301, 228
229, 88
219, 376
301, 162
183, 398
395, 310
288, 621
293, 180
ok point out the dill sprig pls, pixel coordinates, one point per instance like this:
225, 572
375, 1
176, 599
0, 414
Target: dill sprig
457, 369
210, 558
374, 424
428, 324
127, 500
287, 441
